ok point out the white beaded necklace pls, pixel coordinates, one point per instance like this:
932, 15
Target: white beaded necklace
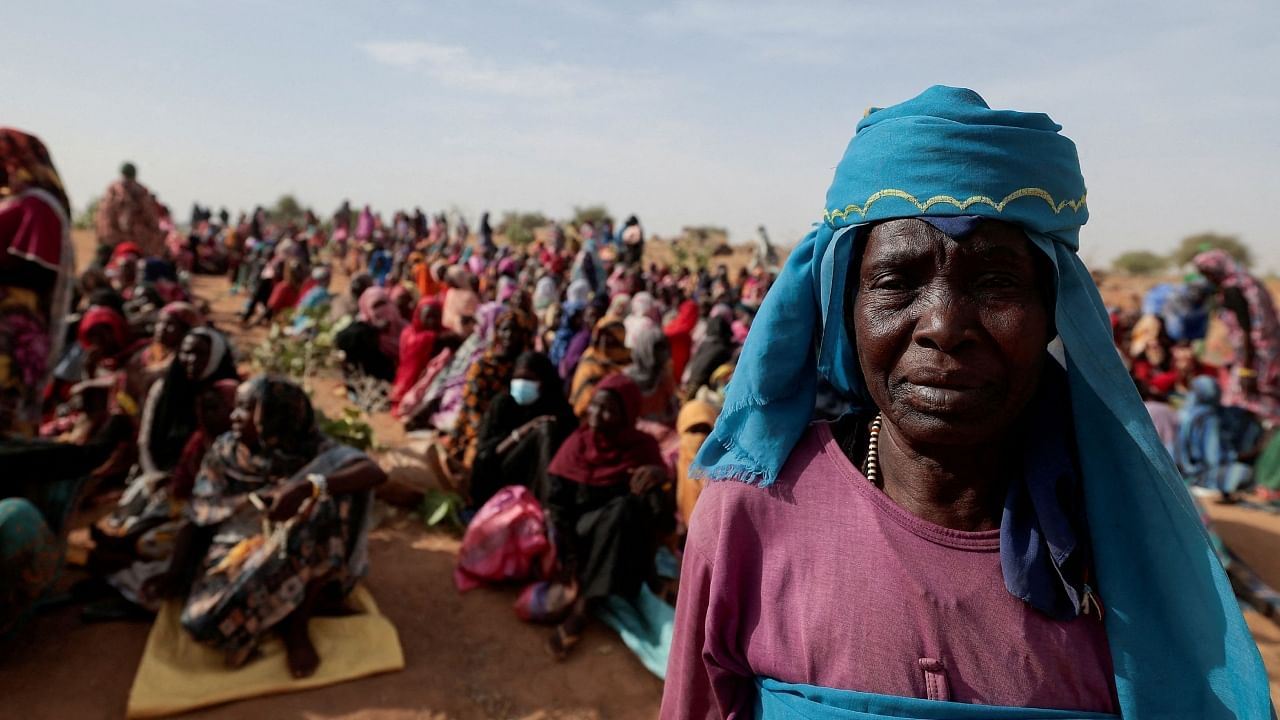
871, 465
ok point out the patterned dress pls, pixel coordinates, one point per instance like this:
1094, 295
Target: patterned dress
255, 574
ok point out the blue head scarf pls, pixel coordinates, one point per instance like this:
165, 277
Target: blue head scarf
1178, 641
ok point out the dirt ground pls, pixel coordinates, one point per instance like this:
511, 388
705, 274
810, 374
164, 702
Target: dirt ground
466, 656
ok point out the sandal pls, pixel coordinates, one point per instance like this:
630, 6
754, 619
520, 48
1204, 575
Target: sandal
560, 643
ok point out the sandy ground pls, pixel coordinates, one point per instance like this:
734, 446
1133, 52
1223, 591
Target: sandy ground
466, 656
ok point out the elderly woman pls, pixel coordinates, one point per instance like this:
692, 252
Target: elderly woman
992, 529
1253, 328
283, 512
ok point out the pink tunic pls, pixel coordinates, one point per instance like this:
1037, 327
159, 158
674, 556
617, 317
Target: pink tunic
824, 580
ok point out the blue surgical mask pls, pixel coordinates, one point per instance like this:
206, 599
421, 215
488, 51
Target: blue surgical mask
525, 392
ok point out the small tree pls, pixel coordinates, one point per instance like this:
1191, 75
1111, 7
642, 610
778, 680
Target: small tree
1140, 262
287, 210
519, 227
594, 214
1196, 244
85, 220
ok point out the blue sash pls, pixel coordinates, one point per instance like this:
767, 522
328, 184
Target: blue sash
776, 699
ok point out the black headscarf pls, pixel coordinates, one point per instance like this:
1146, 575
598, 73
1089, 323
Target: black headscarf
173, 417
715, 350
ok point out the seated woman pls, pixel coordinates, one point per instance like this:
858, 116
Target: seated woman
418, 345
136, 541
521, 431
694, 423
609, 502
581, 340
173, 322
992, 529
1217, 445
487, 379
278, 516
111, 350
651, 371
371, 344
716, 349
607, 355
169, 415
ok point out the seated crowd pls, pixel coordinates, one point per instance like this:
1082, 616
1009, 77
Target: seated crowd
1218, 421
565, 367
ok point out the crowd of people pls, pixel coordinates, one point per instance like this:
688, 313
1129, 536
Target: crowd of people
568, 367
1220, 423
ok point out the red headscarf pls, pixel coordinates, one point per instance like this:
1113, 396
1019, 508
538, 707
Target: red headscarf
124, 250
99, 316
417, 347
680, 333
591, 458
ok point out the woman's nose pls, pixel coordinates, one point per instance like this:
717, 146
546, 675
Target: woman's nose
946, 321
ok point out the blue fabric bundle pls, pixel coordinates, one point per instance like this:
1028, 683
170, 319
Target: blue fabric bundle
1178, 641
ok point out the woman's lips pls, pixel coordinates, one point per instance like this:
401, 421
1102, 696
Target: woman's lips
943, 396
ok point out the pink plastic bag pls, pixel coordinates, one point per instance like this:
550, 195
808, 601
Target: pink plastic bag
506, 541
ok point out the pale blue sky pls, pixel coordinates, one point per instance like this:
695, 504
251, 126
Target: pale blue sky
717, 112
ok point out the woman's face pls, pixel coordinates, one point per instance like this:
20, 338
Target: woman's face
170, 330
508, 338
378, 311
194, 355
242, 417
950, 334
605, 414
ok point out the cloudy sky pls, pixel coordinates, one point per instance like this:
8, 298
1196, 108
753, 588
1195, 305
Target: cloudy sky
721, 112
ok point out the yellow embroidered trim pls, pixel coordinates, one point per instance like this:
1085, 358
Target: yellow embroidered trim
1057, 207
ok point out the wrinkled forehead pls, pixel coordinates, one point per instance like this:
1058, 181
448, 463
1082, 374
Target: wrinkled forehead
911, 238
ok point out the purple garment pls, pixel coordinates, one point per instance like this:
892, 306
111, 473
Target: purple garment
573, 354
824, 580
1165, 418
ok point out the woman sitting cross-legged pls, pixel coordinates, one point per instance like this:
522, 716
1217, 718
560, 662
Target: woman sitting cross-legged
278, 518
610, 498
521, 431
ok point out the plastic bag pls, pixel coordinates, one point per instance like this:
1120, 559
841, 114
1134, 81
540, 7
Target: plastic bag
506, 541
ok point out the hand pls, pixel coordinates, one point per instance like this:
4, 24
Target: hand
647, 478
286, 501
534, 424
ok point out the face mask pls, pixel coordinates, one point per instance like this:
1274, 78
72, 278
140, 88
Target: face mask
524, 392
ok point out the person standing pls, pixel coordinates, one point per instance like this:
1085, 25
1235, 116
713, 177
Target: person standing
128, 213
37, 266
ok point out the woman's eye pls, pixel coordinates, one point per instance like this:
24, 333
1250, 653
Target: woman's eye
998, 282
893, 283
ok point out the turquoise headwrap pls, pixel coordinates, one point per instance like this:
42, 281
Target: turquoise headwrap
1178, 641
